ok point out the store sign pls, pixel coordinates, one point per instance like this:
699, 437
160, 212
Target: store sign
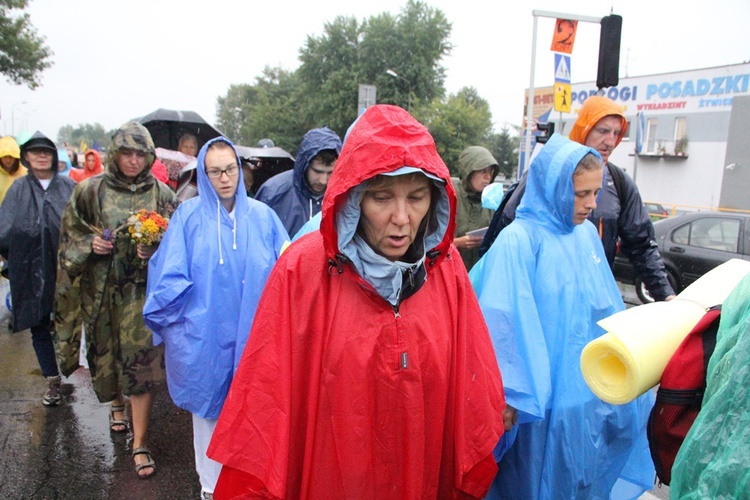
687, 91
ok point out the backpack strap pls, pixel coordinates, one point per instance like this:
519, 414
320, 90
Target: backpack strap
618, 177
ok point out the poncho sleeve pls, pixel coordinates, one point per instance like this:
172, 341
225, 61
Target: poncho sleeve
76, 237
77, 229
169, 281
7, 212
504, 283
261, 471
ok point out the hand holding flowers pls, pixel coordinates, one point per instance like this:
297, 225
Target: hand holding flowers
145, 228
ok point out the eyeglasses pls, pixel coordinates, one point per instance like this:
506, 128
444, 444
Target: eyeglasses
41, 151
215, 173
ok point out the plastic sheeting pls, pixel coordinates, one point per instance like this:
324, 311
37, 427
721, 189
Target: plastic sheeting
714, 460
630, 358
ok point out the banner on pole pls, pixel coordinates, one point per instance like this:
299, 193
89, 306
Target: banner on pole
564, 36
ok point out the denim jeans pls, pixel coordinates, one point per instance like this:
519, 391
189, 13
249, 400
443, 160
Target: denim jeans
44, 348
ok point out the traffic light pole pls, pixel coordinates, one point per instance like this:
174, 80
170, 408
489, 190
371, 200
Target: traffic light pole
526, 157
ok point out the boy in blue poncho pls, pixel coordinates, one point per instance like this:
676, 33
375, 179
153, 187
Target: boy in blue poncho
542, 287
204, 284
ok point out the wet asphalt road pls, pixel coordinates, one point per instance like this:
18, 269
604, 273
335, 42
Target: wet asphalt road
68, 452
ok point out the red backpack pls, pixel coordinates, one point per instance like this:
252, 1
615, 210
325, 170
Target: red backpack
680, 393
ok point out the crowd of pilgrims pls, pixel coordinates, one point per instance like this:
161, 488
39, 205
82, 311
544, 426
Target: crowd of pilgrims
361, 360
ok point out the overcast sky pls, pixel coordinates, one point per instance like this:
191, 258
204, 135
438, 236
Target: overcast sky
116, 60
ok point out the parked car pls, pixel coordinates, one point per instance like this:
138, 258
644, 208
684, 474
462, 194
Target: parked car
691, 245
656, 211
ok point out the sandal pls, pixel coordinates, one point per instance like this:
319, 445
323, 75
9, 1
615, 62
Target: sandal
149, 463
115, 424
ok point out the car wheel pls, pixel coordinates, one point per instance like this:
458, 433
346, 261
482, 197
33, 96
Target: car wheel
642, 291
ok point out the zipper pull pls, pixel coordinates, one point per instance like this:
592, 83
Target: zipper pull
404, 360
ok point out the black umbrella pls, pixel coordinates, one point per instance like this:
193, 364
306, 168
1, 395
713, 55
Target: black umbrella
167, 126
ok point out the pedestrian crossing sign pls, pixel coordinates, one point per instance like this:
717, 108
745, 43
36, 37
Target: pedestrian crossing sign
562, 97
562, 68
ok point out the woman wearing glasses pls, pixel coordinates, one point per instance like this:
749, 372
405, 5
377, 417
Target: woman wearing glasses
203, 288
108, 277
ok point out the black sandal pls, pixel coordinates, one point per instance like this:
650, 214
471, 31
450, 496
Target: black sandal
117, 425
149, 463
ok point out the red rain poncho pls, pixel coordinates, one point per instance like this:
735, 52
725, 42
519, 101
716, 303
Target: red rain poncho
321, 405
84, 173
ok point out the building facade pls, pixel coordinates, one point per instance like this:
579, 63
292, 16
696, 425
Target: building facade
692, 128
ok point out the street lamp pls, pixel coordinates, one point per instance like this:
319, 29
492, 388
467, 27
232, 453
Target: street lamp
396, 75
13, 117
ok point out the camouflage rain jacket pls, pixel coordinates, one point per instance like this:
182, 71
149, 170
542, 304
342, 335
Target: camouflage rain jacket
107, 292
470, 214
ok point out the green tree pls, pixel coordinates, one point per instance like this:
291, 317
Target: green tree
324, 89
350, 53
504, 147
23, 54
269, 108
91, 134
461, 120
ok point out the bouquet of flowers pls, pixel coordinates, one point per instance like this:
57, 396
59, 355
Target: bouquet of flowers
147, 227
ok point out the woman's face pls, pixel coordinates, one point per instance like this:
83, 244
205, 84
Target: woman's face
131, 163
391, 216
90, 162
8, 162
480, 179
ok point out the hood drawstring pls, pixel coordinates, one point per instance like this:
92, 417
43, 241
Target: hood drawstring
234, 233
310, 216
218, 231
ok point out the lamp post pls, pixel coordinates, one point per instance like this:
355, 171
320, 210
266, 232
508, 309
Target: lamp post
13, 117
396, 75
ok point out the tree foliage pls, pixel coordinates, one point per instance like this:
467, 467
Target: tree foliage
23, 54
504, 147
324, 89
269, 108
90, 134
283, 105
461, 120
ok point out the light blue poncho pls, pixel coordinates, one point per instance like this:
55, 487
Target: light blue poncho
542, 287
204, 284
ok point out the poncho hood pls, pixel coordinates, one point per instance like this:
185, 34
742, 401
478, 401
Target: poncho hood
97, 169
385, 139
549, 194
594, 109
208, 195
9, 147
39, 140
314, 141
62, 156
133, 136
472, 159
80, 174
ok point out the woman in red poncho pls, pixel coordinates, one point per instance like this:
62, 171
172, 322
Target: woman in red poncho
369, 372
92, 166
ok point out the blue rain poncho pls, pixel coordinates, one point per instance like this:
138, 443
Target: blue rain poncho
542, 287
288, 192
204, 283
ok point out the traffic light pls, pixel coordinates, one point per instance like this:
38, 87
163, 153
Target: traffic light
546, 130
609, 51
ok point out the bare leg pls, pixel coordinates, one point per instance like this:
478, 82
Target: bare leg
141, 411
118, 415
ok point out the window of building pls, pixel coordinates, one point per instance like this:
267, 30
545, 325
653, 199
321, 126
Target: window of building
680, 134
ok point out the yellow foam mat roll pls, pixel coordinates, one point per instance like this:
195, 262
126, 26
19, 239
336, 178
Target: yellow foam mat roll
629, 359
